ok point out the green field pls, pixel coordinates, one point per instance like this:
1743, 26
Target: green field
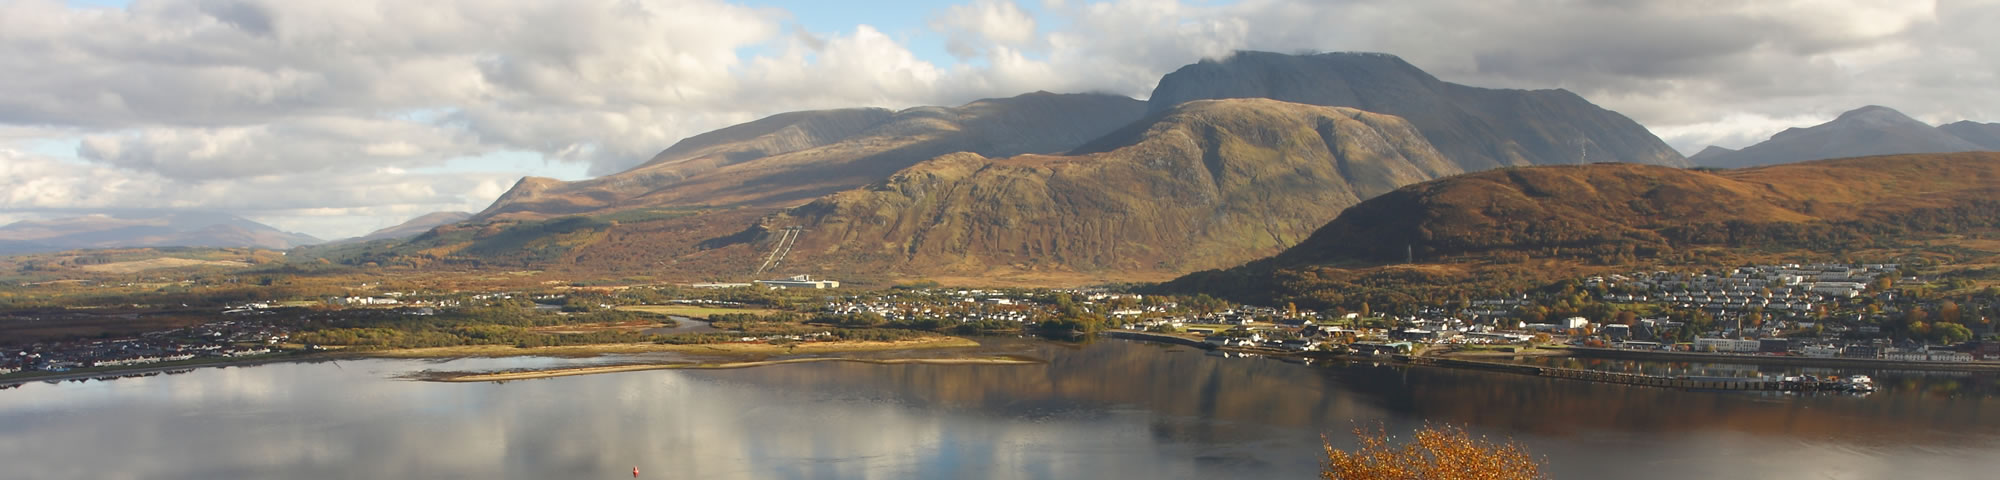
694, 311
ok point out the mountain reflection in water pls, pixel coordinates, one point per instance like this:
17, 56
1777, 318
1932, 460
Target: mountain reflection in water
1110, 409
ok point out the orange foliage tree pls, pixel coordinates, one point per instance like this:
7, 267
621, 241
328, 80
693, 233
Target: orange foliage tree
1446, 453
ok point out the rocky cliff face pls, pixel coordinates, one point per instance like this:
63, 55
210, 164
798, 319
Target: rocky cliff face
1478, 128
791, 158
1205, 184
1870, 130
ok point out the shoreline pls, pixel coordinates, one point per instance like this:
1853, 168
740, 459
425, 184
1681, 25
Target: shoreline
1866, 363
463, 377
591, 350
497, 351
165, 367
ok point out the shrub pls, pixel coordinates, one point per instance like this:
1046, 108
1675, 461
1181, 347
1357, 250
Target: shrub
1446, 453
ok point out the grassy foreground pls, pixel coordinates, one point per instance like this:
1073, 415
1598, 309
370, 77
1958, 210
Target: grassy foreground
711, 348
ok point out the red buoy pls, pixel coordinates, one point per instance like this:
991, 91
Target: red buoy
635, 472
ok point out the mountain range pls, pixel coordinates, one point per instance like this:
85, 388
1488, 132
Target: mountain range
145, 228
1229, 160
1870, 130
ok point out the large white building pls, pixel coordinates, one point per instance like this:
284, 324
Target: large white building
799, 281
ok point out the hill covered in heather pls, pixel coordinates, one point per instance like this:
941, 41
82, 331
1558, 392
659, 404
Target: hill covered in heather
1622, 215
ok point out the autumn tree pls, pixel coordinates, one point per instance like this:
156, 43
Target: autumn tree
1949, 333
1915, 316
1446, 453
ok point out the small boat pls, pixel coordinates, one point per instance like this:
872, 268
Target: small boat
1860, 383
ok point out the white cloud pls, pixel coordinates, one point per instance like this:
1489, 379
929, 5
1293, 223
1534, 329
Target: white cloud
303, 145
972, 29
327, 206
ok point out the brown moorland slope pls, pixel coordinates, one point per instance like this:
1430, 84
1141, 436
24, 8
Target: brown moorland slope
1621, 214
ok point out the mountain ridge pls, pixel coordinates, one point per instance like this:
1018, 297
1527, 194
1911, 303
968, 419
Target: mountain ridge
145, 228
1478, 127
1866, 131
792, 158
410, 228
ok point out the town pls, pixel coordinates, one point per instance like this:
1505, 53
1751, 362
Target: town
1806, 311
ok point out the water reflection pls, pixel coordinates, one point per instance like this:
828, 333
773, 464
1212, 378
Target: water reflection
1113, 409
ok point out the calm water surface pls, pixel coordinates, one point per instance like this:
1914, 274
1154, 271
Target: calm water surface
1108, 410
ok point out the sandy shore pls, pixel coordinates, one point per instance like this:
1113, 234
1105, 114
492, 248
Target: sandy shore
701, 349
564, 372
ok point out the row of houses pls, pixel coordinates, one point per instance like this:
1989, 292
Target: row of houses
1878, 349
228, 338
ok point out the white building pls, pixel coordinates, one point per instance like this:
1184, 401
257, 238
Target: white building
364, 301
1725, 345
799, 281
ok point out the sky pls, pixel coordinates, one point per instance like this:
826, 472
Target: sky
338, 117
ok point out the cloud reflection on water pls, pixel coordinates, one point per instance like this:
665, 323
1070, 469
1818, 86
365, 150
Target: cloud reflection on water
1108, 410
